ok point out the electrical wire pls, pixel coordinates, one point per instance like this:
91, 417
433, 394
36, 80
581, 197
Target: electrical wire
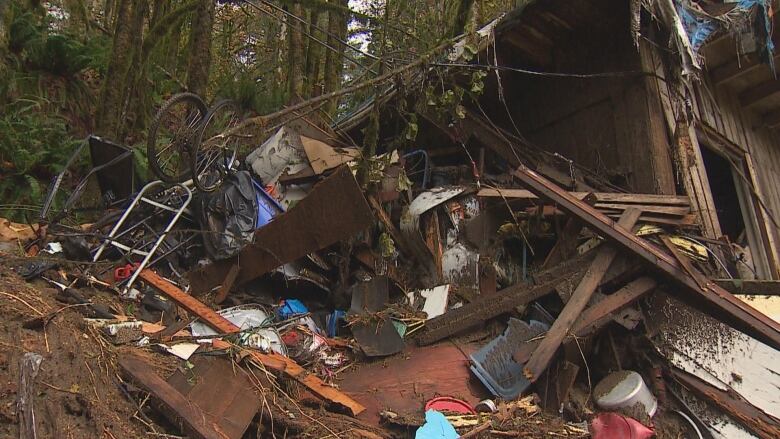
303, 31
326, 32
548, 74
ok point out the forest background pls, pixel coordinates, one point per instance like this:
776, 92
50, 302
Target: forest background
71, 68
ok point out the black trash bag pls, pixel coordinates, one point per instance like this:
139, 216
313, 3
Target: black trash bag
228, 216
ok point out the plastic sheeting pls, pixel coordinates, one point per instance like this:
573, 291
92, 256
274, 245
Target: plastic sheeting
228, 216
748, 18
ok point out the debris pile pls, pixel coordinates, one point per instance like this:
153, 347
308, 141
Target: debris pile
300, 288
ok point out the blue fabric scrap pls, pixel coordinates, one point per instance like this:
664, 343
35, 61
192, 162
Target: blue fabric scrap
436, 427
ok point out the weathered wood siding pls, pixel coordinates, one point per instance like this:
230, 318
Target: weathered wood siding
719, 109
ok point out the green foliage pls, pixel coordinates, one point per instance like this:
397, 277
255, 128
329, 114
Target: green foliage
251, 93
33, 148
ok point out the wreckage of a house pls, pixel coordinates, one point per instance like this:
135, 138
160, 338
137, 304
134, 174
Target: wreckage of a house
567, 227
667, 106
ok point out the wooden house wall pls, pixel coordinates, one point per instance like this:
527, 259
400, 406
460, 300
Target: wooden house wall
719, 109
606, 123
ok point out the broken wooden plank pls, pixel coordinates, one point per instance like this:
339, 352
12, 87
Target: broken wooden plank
753, 287
227, 284
29, 365
566, 245
598, 315
601, 197
334, 210
191, 304
543, 354
646, 208
485, 307
221, 391
410, 247
189, 416
556, 384
756, 420
273, 361
433, 241
685, 263
713, 299
403, 383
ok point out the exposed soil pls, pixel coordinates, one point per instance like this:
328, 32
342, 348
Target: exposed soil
78, 391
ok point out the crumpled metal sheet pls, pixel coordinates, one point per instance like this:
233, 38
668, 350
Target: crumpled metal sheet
375, 338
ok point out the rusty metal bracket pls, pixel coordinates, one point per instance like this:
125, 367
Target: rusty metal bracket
712, 299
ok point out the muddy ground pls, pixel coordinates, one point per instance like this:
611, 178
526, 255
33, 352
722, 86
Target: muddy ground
79, 392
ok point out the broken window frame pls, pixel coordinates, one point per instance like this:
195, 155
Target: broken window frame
752, 216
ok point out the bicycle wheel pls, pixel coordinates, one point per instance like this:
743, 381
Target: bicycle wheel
172, 135
215, 152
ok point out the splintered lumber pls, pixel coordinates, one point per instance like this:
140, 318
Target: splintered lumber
601, 197
543, 354
227, 284
756, 420
487, 306
273, 361
750, 287
191, 304
711, 299
597, 315
193, 421
566, 245
334, 210
29, 365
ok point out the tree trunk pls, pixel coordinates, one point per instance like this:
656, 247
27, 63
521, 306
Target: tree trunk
314, 57
4, 10
334, 61
109, 109
109, 10
128, 115
200, 47
460, 17
296, 62
172, 50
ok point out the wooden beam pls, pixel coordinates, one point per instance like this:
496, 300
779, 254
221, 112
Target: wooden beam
191, 304
487, 306
601, 197
759, 92
193, 421
713, 300
772, 119
756, 420
750, 287
543, 354
736, 68
598, 315
273, 361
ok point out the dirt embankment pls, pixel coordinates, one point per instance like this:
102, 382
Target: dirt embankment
78, 392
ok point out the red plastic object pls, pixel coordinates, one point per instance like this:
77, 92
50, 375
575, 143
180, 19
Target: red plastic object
617, 426
448, 404
122, 273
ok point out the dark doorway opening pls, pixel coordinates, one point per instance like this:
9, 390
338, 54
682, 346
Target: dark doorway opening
724, 195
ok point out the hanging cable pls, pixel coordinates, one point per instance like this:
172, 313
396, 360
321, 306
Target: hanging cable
312, 37
326, 32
